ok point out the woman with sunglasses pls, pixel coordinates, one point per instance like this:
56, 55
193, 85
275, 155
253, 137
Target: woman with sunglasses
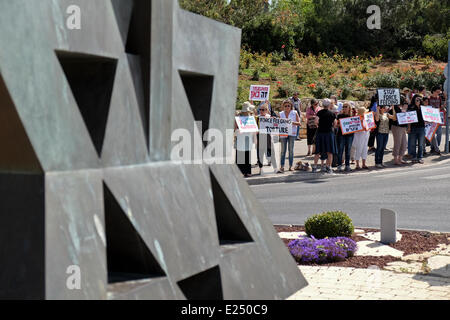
264, 141
416, 132
382, 117
291, 114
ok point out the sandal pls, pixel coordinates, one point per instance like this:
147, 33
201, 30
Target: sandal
366, 168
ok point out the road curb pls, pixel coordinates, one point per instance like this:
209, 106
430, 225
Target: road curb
308, 176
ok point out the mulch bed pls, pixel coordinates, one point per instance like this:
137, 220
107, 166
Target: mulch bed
413, 242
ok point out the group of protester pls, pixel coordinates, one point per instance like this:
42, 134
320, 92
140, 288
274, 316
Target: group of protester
327, 142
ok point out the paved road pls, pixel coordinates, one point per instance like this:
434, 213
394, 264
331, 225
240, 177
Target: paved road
420, 196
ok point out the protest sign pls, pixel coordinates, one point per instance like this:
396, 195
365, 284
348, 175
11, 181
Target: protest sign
407, 117
369, 121
431, 114
259, 93
351, 125
275, 126
247, 124
430, 130
388, 97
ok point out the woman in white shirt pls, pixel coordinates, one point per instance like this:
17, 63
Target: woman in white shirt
289, 113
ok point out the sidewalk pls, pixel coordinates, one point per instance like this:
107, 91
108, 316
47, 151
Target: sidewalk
301, 149
333, 283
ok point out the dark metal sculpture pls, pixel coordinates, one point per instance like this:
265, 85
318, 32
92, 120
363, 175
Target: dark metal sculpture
86, 180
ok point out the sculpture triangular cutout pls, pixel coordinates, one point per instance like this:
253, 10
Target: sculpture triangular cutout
91, 79
138, 50
17, 151
206, 285
199, 91
128, 257
229, 225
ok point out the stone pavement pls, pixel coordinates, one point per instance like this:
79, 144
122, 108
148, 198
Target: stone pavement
416, 277
301, 149
333, 283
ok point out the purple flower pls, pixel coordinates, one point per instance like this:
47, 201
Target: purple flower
312, 250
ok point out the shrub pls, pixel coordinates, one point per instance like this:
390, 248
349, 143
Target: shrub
256, 75
320, 91
312, 250
329, 224
345, 93
286, 90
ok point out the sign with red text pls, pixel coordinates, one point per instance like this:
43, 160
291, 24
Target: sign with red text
259, 93
431, 114
247, 124
430, 130
369, 121
407, 117
351, 125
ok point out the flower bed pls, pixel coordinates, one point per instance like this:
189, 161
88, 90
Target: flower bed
312, 250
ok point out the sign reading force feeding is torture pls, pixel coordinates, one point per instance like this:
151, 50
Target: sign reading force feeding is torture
351, 125
407, 117
259, 93
431, 114
275, 126
247, 124
388, 97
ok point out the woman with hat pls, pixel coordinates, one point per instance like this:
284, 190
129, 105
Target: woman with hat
244, 143
288, 142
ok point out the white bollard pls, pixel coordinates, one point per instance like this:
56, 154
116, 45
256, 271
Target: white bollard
388, 226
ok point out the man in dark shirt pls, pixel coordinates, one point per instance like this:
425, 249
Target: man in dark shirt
325, 139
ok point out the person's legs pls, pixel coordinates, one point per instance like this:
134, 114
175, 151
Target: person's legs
340, 144
380, 149
421, 139
329, 160
291, 141
260, 150
412, 141
385, 139
284, 142
439, 137
348, 141
248, 165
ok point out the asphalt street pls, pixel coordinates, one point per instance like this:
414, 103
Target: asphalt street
419, 195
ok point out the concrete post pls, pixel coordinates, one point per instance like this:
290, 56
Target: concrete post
388, 226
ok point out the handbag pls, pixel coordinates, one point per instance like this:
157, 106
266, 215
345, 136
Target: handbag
312, 122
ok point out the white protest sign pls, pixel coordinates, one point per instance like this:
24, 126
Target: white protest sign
430, 130
275, 126
369, 121
388, 97
351, 125
431, 114
247, 124
259, 93
407, 117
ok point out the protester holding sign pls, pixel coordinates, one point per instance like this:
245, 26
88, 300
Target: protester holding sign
244, 143
344, 142
437, 102
264, 144
325, 138
373, 133
289, 113
360, 141
382, 117
311, 116
297, 106
399, 133
416, 132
